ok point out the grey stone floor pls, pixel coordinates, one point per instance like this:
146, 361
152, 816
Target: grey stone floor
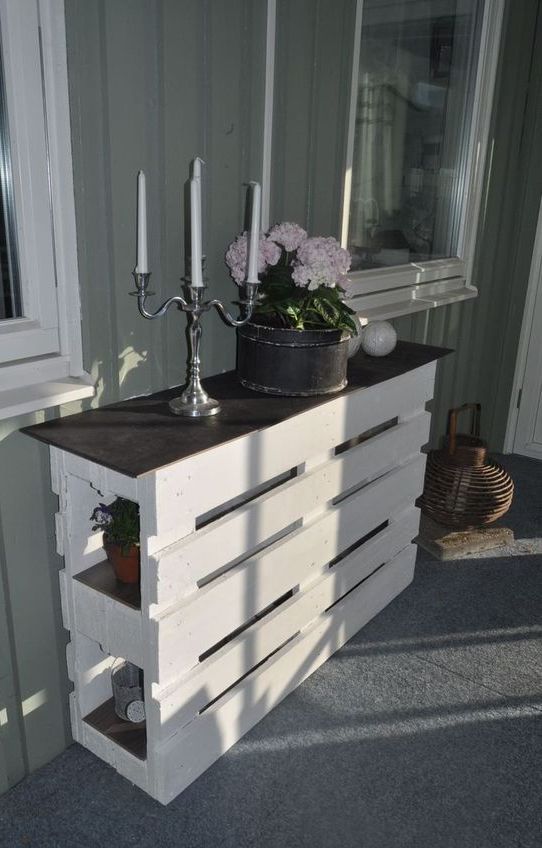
424, 731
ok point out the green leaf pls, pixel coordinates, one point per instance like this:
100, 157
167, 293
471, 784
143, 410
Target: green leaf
327, 310
296, 307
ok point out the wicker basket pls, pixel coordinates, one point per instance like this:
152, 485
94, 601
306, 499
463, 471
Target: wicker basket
463, 487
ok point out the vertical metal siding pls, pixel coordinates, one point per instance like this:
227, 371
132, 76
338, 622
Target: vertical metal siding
485, 333
152, 82
314, 51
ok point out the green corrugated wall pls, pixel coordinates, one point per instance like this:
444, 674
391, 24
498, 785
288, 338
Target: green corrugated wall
485, 332
152, 82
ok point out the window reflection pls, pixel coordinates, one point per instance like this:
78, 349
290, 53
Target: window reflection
415, 90
10, 306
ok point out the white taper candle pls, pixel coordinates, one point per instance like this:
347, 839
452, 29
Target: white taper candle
196, 168
142, 266
254, 237
195, 233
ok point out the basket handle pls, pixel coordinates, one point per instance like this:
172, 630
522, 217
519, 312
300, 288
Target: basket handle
451, 432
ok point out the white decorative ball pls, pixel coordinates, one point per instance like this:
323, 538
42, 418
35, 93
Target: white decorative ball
378, 338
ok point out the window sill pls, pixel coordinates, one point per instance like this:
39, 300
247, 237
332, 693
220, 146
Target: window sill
397, 302
37, 396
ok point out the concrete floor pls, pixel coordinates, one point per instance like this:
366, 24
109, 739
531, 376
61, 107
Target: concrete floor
424, 731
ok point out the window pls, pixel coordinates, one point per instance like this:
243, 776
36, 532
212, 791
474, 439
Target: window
10, 303
421, 97
40, 337
417, 71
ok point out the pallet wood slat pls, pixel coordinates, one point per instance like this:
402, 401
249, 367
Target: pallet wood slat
183, 634
179, 703
189, 753
117, 627
180, 567
262, 553
248, 462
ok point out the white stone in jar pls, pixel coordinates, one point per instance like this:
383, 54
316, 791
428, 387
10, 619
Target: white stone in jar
135, 711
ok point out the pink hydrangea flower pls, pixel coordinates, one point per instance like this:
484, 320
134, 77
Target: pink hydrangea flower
236, 256
320, 262
271, 251
288, 235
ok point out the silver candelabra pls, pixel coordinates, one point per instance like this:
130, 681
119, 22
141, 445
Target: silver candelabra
194, 402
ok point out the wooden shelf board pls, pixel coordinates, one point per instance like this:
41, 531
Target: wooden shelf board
140, 435
131, 737
101, 578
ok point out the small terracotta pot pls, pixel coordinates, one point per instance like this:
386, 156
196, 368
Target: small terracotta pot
125, 565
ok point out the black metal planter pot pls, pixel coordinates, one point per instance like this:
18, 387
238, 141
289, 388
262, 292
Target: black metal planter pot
292, 362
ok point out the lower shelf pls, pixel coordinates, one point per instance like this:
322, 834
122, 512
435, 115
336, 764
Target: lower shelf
101, 578
178, 752
131, 737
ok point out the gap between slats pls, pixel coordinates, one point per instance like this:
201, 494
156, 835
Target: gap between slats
332, 483
222, 669
277, 603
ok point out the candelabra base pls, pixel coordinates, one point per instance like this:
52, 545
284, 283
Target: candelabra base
194, 402
194, 405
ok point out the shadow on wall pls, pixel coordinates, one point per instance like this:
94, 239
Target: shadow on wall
133, 378
34, 724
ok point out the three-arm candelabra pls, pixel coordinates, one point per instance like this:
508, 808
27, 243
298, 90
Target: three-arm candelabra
194, 402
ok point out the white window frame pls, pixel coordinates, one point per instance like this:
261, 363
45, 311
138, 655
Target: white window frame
416, 287
41, 353
419, 286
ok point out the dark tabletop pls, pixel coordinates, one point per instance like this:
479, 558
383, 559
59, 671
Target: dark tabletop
140, 435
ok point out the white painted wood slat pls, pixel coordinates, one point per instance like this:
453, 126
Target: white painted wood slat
260, 558
117, 627
239, 466
91, 672
176, 570
178, 704
178, 637
180, 760
123, 761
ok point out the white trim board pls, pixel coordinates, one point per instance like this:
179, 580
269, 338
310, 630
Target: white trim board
37, 396
270, 42
347, 183
535, 281
34, 375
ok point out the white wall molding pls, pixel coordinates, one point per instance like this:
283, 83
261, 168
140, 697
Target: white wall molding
270, 40
535, 275
347, 183
41, 24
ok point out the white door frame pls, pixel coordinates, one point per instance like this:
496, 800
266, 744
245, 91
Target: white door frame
535, 280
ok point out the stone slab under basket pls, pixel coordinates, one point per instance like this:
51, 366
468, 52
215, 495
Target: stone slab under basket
447, 543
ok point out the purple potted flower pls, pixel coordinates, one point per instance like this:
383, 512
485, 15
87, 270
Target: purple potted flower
297, 340
119, 522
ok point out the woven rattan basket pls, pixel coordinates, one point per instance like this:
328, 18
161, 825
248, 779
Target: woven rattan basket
463, 486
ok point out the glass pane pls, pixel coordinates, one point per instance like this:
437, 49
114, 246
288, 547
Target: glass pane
416, 82
10, 304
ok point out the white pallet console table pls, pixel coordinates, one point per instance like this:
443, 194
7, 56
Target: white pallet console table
269, 536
